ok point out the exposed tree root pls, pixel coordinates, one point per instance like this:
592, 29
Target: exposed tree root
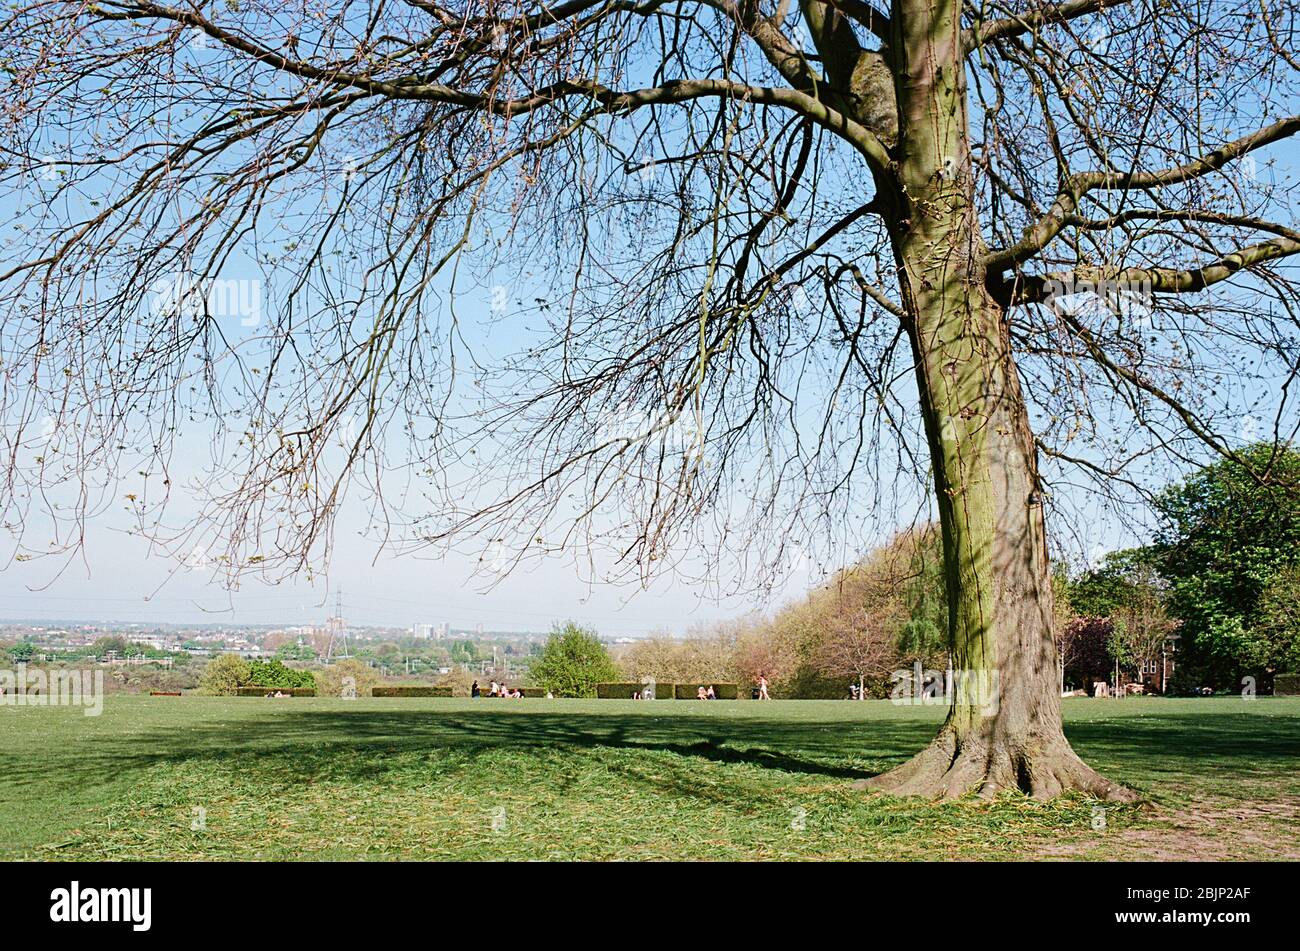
949, 769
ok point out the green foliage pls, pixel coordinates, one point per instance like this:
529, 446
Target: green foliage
103, 645
924, 634
273, 673
624, 690
21, 652
462, 652
722, 691
224, 675
1106, 588
411, 690
298, 652
1279, 619
1227, 546
573, 662
255, 691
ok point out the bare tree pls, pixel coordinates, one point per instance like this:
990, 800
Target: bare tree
776, 255
1142, 625
862, 644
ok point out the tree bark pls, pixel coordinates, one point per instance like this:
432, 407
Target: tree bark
1003, 730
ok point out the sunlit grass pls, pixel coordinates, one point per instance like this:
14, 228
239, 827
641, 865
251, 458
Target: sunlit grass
209, 778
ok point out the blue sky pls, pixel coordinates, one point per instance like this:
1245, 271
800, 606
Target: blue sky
117, 576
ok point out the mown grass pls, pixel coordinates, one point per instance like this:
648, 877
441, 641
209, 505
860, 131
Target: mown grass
563, 779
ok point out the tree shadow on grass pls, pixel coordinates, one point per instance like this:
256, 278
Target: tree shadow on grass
304, 741
296, 739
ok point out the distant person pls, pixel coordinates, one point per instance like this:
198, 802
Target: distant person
475, 690
762, 688
701, 694
711, 695
493, 690
549, 695
636, 694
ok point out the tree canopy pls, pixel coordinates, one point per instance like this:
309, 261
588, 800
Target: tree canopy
573, 662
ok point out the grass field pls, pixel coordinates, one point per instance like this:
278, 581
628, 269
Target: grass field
566, 779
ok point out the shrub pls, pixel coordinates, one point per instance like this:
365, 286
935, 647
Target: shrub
273, 673
624, 691
224, 675
411, 690
1286, 685
263, 691
723, 691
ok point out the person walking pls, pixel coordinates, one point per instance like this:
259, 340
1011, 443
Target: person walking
762, 688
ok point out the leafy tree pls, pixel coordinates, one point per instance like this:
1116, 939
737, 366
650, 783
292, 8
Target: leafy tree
223, 674
924, 635
103, 645
1279, 623
21, 652
463, 652
273, 673
298, 652
573, 662
1228, 545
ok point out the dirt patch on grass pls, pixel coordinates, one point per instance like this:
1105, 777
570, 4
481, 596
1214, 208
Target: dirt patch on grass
1207, 830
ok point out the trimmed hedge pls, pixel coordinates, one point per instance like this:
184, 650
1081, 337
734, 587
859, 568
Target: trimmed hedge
164, 693
1286, 685
263, 691
412, 690
526, 691
723, 691
624, 691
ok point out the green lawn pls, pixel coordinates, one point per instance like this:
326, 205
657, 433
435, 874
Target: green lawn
565, 779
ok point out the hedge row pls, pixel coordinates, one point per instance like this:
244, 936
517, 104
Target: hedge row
721, 691
526, 691
1286, 685
624, 691
416, 690
264, 691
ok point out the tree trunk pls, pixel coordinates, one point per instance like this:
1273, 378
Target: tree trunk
1003, 730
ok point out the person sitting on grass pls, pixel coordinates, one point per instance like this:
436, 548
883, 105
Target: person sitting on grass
711, 694
701, 694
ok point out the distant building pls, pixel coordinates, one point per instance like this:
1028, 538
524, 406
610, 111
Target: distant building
422, 631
